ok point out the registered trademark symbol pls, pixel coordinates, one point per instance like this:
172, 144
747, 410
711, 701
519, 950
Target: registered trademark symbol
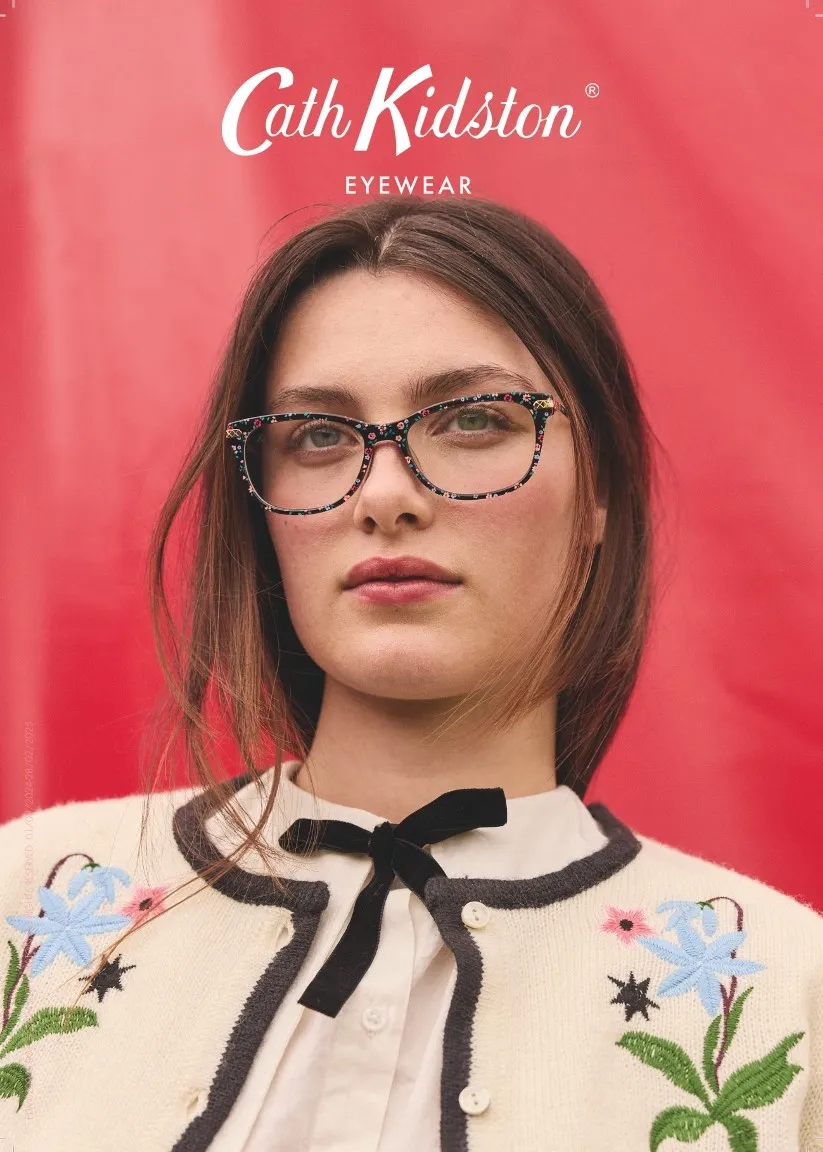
592, 90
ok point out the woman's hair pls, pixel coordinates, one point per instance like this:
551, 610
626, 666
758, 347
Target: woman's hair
235, 651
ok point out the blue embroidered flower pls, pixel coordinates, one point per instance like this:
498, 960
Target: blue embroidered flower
65, 927
686, 910
99, 876
698, 963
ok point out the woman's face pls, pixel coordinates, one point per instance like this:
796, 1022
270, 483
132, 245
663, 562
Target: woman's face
372, 334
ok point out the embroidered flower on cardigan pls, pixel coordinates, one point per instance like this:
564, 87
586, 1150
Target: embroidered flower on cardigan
145, 903
100, 876
699, 962
64, 927
627, 926
683, 911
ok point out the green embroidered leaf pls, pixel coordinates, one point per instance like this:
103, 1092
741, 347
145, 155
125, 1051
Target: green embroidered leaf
20, 998
11, 975
742, 1133
759, 1083
734, 1016
49, 1021
668, 1058
709, 1048
685, 1124
14, 1081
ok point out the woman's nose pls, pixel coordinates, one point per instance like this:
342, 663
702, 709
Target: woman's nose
401, 462
389, 444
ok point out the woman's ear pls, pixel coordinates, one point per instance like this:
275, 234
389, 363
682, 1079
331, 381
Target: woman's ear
600, 523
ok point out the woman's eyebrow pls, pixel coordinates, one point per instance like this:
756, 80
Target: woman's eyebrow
421, 390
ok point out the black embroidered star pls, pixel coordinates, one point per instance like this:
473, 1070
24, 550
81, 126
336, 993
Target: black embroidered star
633, 996
107, 976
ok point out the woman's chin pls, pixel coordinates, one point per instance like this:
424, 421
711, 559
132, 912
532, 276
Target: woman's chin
403, 672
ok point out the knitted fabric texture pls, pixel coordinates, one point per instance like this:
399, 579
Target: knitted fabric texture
639, 999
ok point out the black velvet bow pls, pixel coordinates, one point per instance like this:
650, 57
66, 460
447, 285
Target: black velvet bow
397, 850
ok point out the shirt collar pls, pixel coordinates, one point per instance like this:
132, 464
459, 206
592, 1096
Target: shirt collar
552, 846
543, 832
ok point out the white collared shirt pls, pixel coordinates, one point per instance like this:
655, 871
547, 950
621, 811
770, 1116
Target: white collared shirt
368, 1080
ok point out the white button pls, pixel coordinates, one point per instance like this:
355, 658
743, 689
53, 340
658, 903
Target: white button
475, 914
374, 1018
474, 1100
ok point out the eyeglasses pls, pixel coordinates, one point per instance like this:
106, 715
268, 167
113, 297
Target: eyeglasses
470, 448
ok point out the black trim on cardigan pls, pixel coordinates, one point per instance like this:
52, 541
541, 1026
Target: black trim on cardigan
446, 897
248, 887
247, 1036
307, 899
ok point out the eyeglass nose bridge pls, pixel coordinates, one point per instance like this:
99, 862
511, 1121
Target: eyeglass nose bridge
374, 434
378, 434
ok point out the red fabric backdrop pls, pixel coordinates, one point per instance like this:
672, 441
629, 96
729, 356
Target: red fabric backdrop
693, 192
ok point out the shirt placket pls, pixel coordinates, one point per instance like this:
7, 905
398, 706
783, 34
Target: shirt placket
366, 1041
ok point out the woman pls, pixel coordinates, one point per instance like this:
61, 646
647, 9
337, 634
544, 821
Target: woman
422, 566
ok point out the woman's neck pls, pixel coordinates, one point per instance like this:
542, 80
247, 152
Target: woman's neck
378, 755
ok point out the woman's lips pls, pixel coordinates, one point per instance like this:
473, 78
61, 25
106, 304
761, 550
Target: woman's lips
402, 591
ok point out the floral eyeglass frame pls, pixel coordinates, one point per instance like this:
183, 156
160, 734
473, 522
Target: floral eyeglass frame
541, 405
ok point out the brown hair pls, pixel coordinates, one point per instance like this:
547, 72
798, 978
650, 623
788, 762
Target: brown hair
235, 648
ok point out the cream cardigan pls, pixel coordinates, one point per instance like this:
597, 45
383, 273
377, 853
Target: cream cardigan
634, 998
368, 1080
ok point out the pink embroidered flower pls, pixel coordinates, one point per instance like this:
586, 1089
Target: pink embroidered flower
145, 903
626, 925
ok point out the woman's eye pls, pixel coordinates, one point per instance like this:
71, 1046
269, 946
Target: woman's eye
470, 421
319, 435
474, 419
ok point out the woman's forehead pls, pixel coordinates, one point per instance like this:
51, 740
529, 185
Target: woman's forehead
358, 331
